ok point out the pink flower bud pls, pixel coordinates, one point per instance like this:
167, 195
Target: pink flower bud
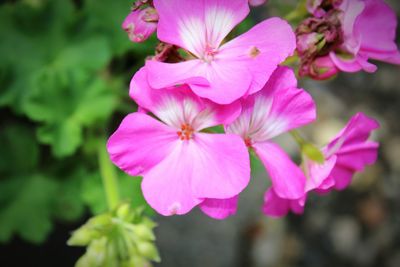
140, 24
257, 2
323, 68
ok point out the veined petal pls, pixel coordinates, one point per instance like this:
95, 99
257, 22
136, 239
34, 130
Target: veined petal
221, 165
198, 25
215, 114
177, 105
261, 49
174, 106
287, 178
167, 186
139, 143
278, 108
219, 208
181, 23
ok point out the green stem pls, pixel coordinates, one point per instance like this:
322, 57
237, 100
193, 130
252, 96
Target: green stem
109, 177
298, 138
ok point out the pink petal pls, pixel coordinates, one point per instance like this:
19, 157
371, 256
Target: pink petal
359, 62
220, 165
319, 173
356, 156
261, 49
287, 178
357, 130
278, 108
139, 143
167, 186
377, 27
257, 2
194, 25
219, 208
162, 75
229, 80
177, 105
351, 11
276, 206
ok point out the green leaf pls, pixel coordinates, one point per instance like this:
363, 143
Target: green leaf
19, 149
66, 111
129, 187
28, 212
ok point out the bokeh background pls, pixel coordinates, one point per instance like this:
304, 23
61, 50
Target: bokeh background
65, 68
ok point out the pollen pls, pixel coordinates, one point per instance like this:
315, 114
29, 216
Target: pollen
186, 132
254, 52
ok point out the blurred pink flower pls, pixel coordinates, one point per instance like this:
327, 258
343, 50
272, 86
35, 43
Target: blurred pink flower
369, 28
279, 107
220, 72
140, 24
349, 152
180, 165
348, 33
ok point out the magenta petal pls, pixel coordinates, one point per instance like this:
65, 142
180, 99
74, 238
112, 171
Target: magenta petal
276, 206
287, 178
219, 208
167, 186
162, 75
377, 27
359, 62
139, 143
261, 49
229, 80
319, 174
195, 24
220, 165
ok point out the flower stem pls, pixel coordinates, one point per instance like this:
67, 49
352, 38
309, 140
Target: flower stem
109, 177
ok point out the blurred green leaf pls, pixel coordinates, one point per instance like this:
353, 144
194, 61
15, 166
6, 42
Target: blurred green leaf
28, 212
19, 149
129, 188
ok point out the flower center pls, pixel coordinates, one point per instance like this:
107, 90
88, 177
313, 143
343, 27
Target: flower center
209, 53
248, 142
186, 132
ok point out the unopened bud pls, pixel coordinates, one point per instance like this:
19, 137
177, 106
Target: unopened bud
140, 24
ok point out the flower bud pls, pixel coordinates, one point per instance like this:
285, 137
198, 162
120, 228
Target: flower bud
140, 24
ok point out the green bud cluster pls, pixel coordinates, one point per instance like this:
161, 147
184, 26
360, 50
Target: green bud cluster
121, 238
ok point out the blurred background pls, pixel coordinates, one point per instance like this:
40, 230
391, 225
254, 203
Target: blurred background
65, 68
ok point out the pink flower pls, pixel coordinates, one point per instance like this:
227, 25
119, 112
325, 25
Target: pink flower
180, 165
220, 72
277, 108
257, 2
368, 28
369, 33
349, 152
140, 24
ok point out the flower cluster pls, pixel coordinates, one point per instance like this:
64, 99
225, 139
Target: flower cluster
343, 35
205, 102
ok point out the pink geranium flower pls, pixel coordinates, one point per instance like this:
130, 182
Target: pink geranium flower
220, 72
140, 24
349, 152
369, 28
180, 165
277, 108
